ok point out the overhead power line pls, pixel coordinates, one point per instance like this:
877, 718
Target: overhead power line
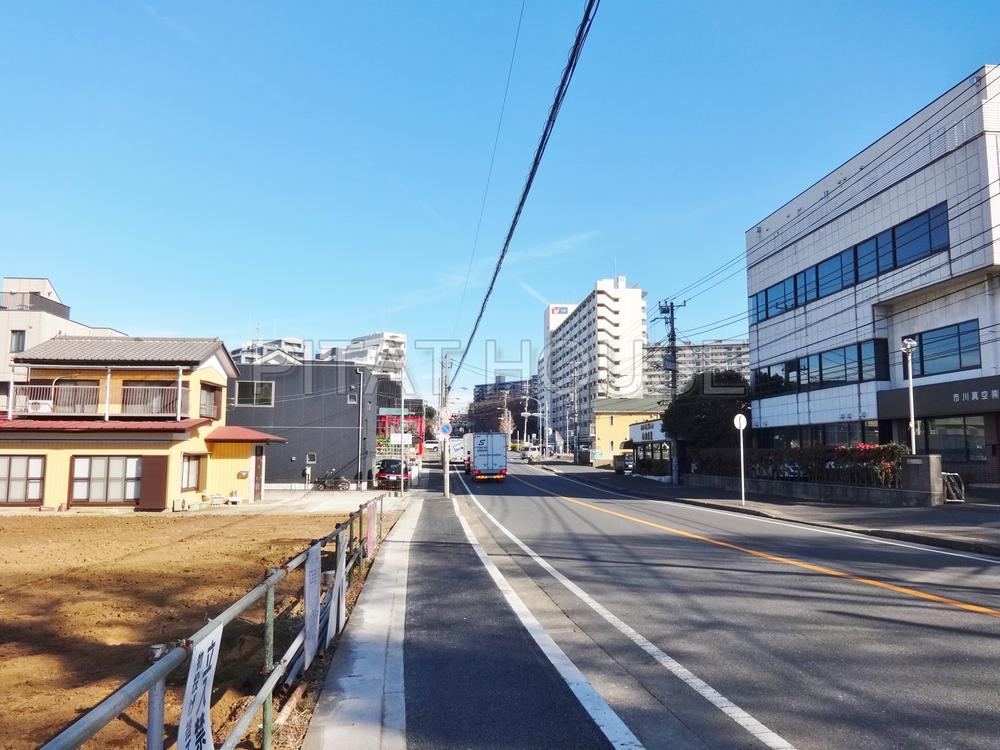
567, 76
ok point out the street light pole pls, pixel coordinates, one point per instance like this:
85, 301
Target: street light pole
908, 346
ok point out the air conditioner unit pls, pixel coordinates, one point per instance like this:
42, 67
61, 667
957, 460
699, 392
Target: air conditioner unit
39, 406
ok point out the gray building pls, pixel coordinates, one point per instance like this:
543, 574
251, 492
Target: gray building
692, 358
328, 411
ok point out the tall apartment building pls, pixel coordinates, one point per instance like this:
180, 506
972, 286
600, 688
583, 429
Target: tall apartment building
901, 241
593, 350
31, 312
514, 388
692, 358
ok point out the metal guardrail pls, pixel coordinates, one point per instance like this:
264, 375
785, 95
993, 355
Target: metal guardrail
168, 657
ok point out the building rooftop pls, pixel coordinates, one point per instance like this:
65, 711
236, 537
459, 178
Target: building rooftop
126, 350
628, 405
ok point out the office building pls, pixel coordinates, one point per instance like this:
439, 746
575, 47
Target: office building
899, 242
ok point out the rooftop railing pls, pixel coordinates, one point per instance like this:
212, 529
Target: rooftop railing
32, 301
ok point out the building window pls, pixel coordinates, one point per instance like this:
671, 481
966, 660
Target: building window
22, 479
106, 479
854, 363
310, 458
352, 398
957, 439
947, 349
913, 240
191, 473
255, 393
210, 399
16, 342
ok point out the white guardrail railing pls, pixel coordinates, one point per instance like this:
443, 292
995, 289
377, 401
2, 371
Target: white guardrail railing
325, 617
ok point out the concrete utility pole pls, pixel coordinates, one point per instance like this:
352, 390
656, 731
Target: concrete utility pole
442, 412
402, 422
667, 309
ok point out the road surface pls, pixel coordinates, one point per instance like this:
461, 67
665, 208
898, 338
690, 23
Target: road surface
699, 628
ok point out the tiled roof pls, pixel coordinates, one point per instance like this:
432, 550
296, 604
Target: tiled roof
122, 350
99, 425
236, 434
629, 405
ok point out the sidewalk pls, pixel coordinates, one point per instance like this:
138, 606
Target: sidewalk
970, 527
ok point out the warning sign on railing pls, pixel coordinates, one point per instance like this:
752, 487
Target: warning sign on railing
195, 731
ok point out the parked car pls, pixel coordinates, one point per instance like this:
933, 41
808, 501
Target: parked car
431, 446
388, 475
624, 463
530, 452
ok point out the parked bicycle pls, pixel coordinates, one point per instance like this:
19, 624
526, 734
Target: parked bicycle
330, 481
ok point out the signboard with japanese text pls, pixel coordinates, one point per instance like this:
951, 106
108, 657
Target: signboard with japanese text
968, 396
313, 572
195, 730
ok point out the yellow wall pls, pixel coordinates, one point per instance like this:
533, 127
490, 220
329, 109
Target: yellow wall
605, 433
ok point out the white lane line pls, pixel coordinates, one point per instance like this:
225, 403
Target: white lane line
767, 736
603, 715
762, 519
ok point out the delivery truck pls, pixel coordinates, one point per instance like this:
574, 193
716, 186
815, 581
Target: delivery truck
489, 455
467, 443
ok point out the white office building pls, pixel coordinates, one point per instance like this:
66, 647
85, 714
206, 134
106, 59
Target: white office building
593, 350
32, 312
901, 241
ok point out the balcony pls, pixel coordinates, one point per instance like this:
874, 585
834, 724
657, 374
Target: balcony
33, 302
90, 400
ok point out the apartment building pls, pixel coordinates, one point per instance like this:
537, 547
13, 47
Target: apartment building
514, 388
284, 351
383, 352
692, 358
594, 350
31, 312
899, 242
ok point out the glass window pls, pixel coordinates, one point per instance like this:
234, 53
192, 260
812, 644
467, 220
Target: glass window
106, 479
761, 306
968, 344
805, 286
939, 227
868, 371
834, 368
886, 256
851, 363
957, 439
792, 375
913, 240
22, 479
815, 374
867, 260
191, 473
209, 401
16, 342
836, 433
254, 393
847, 269
830, 276
752, 308
780, 298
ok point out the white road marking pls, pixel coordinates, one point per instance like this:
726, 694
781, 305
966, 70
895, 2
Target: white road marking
767, 736
761, 519
603, 715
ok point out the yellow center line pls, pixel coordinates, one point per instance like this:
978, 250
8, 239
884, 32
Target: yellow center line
823, 569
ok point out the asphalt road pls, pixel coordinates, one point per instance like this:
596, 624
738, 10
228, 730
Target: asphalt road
710, 629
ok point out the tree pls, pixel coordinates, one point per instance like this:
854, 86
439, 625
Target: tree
703, 415
430, 413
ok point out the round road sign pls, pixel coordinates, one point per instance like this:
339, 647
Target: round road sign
446, 429
739, 422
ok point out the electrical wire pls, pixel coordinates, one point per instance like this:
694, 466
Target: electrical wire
583, 30
489, 173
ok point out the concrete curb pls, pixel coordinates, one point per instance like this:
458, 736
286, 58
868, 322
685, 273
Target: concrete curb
930, 540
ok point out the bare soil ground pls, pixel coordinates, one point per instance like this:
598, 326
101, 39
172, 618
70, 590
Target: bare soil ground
83, 597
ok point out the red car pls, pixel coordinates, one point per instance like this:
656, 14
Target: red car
388, 477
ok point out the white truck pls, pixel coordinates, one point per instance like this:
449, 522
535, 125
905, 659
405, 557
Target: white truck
467, 447
489, 455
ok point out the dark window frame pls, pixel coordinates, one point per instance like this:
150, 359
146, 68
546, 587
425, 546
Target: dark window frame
74, 480
254, 399
8, 460
920, 362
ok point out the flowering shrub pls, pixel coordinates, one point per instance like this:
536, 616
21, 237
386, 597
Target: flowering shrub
858, 463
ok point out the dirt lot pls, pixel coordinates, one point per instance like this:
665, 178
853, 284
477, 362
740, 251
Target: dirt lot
82, 597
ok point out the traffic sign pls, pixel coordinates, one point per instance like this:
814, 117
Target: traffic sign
740, 422
446, 429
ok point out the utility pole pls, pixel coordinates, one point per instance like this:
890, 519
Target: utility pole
442, 412
668, 310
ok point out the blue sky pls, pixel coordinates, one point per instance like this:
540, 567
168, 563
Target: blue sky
193, 168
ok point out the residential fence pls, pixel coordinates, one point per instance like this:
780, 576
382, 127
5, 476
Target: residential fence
352, 546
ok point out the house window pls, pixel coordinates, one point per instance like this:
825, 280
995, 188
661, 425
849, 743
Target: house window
352, 398
255, 393
106, 479
310, 458
209, 401
16, 342
22, 479
191, 473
